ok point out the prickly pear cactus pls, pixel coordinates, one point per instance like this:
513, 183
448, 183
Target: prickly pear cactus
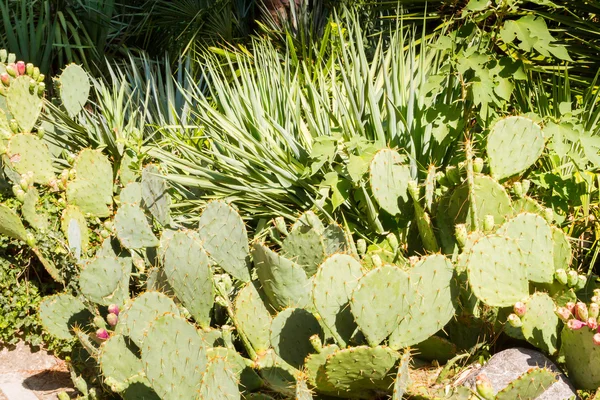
155, 194
74, 86
26, 152
61, 312
389, 180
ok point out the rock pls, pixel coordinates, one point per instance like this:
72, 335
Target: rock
509, 364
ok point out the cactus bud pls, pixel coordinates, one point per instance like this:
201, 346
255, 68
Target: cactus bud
99, 322
3, 55
563, 313
478, 164
393, 241
488, 223
592, 323
31, 242
41, 78
12, 57
561, 276
484, 387
113, 309
453, 175
518, 189
112, 319
575, 324
316, 343
14, 126
515, 321
596, 339
441, 178
571, 307
20, 67
41, 89
549, 215
63, 396
29, 69
5, 78
595, 300
572, 278
413, 190
104, 233
280, 225
32, 85
72, 174
41, 132
361, 246
526, 185
102, 334
581, 311
377, 262
520, 308
581, 281
461, 234
11, 69
36, 73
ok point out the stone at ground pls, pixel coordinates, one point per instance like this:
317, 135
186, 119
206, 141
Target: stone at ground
509, 364
27, 375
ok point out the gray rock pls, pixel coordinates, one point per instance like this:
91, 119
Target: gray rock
508, 365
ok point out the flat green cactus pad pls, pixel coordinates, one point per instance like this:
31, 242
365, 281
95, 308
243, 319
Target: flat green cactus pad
224, 237
540, 323
240, 366
118, 362
314, 366
127, 173
174, 358
513, 145
131, 194
277, 374
528, 386
253, 317
496, 271
155, 193
582, 357
24, 104
11, 225
376, 302
219, 381
133, 230
333, 284
306, 247
389, 180
188, 271
436, 348
74, 227
291, 330
105, 280
284, 282
74, 89
84, 194
60, 313
138, 314
36, 219
92, 189
28, 153
403, 380
527, 204
563, 254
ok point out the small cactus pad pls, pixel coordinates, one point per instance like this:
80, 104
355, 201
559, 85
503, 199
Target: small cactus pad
174, 358
85, 195
92, 189
562, 249
428, 304
276, 373
24, 105
11, 225
241, 367
138, 314
29, 153
302, 390
60, 313
118, 362
582, 357
314, 366
127, 173
540, 323
389, 180
224, 237
436, 348
527, 204
284, 282
131, 194
333, 284
362, 368
105, 280
513, 145
291, 330
253, 318
133, 230
376, 300
74, 227
534, 237
155, 193
187, 267
528, 386
402, 381
74, 89
219, 381
37, 220
496, 271
335, 239
306, 247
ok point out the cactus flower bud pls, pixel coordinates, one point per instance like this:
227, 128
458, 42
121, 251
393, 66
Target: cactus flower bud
361, 246
561, 276
12, 57
518, 188
316, 343
113, 309
563, 313
41, 132
280, 225
32, 85
393, 241
453, 175
478, 164
5, 78
102, 334
581, 281
526, 183
596, 339
20, 67
24, 183
36, 73
112, 319
488, 223
29, 69
11, 69
572, 278
41, 89
520, 308
514, 320
484, 387
594, 310
571, 307
3, 55
581, 311
41, 78
575, 324
14, 126
377, 261
592, 323
31, 242
461, 234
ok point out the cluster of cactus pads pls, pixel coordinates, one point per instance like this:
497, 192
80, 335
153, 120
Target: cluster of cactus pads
301, 311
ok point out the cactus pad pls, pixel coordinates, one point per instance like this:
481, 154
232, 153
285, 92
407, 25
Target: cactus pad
335, 240
24, 105
314, 366
306, 247
528, 386
38, 221
119, 363
155, 194
562, 249
60, 313
187, 268
496, 271
11, 225
29, 153
389, 180
138, 314
219, 381
277, 374
224, 237
174, 358
513, 145
133, 230
582, 357
284, 282
131, 194
540, 323
74, 227
376, 300
302, 390
92, 189
436, 348
291, 330
105, 280
333, 284
74, 89
402, 381
253, 318
534, 237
